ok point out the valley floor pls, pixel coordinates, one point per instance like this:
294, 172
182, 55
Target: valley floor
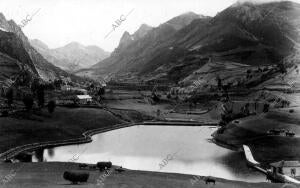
50, 175
167, 111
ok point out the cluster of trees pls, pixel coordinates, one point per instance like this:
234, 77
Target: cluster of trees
57, 83
37, 92
51, 85
282, 68
96, 90
221, 86
23, 78
28, 101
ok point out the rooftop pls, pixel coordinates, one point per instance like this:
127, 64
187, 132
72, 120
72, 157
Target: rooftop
84, 97
286, 164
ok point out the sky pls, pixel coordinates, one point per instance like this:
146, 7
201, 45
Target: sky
90, 22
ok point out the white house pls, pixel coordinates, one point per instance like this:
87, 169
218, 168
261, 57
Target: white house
84, 99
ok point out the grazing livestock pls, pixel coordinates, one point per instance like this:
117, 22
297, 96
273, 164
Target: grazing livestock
274, 132
282, 130
209, 180
93, 167
76, 177
104, 165
290, 134
121, 169
83, 165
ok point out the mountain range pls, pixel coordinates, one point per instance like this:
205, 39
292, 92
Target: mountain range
71, 57
18, 56
186, 49
244, 34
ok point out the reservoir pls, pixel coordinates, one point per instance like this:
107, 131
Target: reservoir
178, 149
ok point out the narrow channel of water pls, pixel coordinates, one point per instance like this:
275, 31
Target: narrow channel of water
145, 148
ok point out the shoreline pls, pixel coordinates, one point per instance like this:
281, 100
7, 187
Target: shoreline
87, 136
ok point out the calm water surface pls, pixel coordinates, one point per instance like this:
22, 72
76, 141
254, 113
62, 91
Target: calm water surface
145, 147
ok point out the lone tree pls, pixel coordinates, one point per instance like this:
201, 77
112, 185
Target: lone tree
169, 96
219, 81
155, 97
245, 110
9, 96
101, 91
266, 108
28, 102
34, 85
92, 86
51, 106
282, 68
41, 95
57, 83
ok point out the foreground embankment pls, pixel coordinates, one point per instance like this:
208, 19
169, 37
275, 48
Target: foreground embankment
36, 175
63, 124
258, 133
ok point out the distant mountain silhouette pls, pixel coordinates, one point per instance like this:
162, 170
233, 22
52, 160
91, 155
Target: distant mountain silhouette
16, 51
72, 56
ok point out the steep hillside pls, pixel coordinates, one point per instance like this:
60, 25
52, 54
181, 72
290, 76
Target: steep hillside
72, 56
15, 45
11, 45
11, 68
244, 33
133, 53
253, 131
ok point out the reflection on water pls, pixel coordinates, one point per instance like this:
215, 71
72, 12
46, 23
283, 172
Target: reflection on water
50, 152
145, 147
39, 155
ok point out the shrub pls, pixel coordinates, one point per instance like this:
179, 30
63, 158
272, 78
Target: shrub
76, 177
5, 113
41, 95
155, 98
28, 102
104, 165
9, 96
51, 106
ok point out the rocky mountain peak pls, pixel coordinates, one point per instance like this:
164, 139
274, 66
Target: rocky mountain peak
142, 31
2, 17
74, 45
125, 39
3, 23
182, 20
